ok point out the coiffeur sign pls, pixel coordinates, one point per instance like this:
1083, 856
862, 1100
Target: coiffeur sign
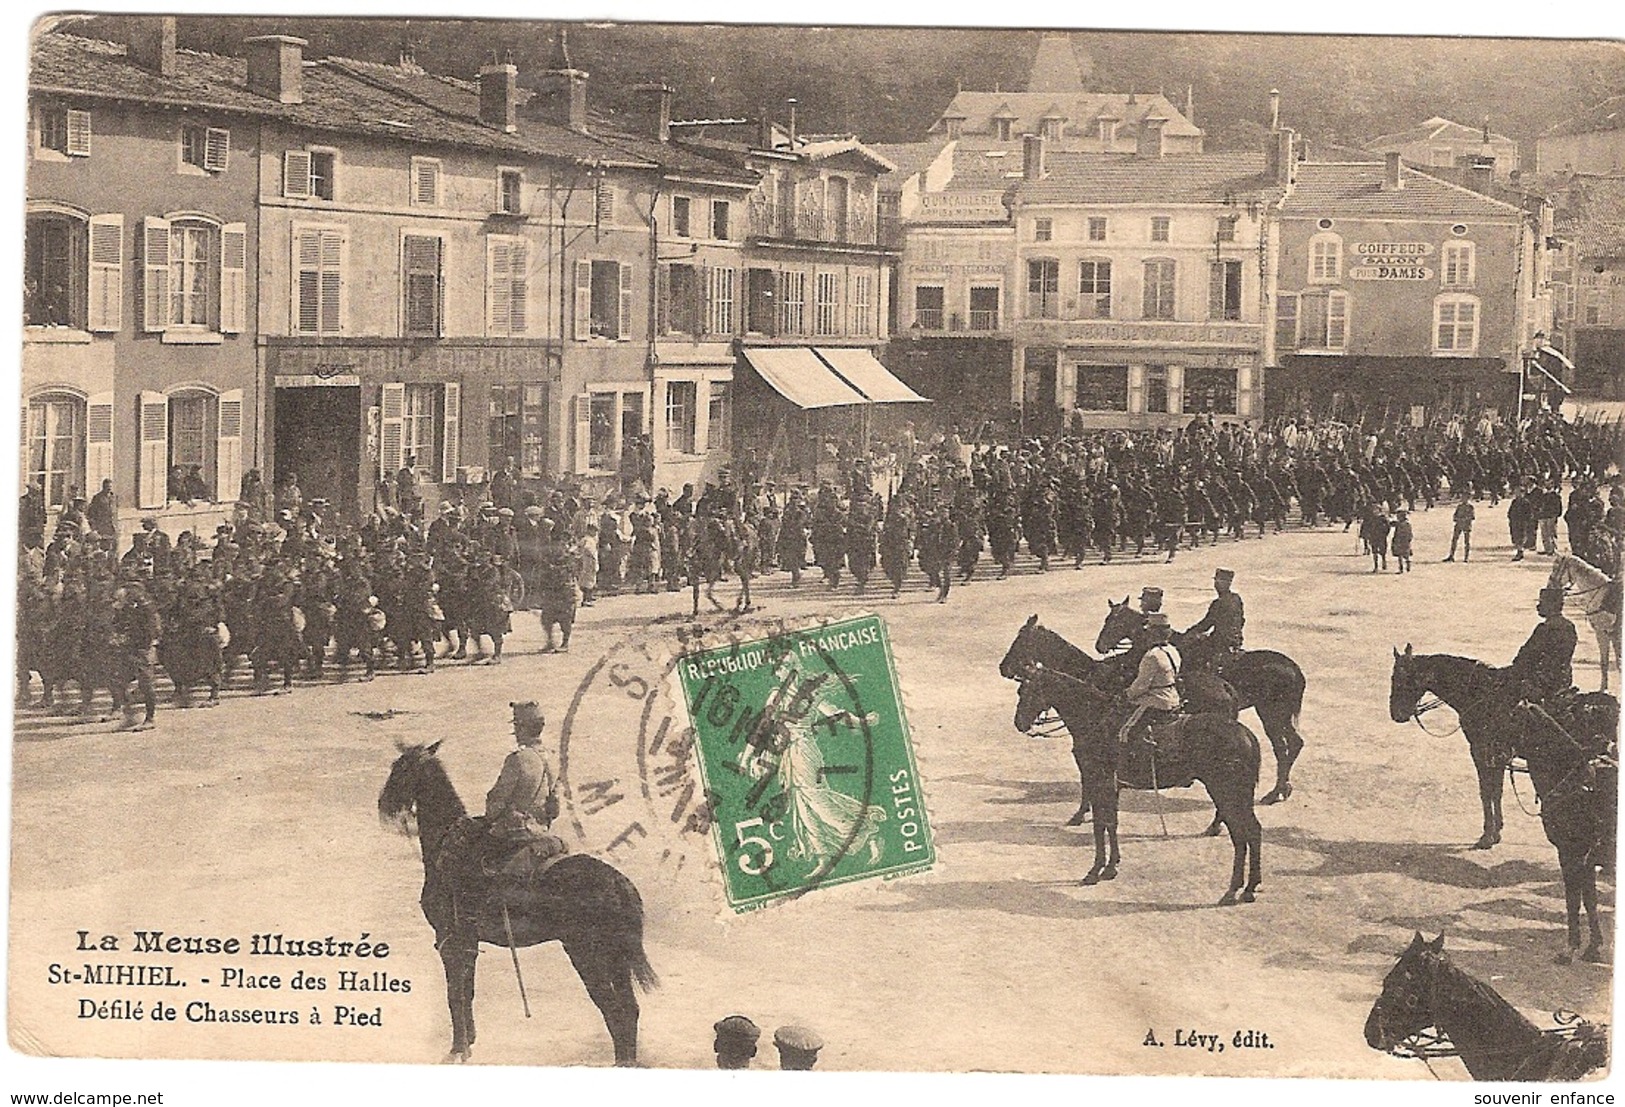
1391, 261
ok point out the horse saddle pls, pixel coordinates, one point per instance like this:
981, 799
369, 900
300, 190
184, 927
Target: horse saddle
1157, 757
515, 871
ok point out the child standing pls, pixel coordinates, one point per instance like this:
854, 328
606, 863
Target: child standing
587, 576
1402, 541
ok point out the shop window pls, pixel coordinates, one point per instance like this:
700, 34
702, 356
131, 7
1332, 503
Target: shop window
1102, 388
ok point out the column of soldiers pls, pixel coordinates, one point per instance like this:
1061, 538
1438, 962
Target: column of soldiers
284, 587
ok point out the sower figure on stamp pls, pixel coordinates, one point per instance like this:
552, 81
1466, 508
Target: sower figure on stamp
522, 804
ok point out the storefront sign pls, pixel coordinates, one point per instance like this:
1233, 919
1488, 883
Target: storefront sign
1391, 261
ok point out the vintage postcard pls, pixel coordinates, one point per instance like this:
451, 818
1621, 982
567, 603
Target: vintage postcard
847, 548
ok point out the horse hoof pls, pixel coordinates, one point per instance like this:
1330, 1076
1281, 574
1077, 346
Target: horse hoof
1249, 895
1563, 959
1090, 880
1079, 819
1212, 830
1594, 955
1109, 873
1485, 843
1228, 900
456, 1057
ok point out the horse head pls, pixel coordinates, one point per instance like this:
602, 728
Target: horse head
1405, 1005
1020, 651
1122, 623
1034, 699
397, 803
1405, 689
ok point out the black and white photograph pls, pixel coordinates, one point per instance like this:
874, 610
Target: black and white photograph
574, 543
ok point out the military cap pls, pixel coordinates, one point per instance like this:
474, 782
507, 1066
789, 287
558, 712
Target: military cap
738, 1027
505, 512
1151, 598
1224, 574
797, 1038
534, 512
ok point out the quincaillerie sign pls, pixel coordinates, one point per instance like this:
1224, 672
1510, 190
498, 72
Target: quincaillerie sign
1392, 261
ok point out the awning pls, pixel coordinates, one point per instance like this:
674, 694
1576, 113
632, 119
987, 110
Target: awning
797, 374
862, 371
1534, 363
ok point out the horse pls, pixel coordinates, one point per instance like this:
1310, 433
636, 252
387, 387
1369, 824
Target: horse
1037, 644
1593, 588
1480, 696
1495, 1042
580, 901
1220, 752
1267, 681
1573, 766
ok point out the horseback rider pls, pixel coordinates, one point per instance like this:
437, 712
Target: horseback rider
1155, 690
1543, 669
523, 803
1219, 633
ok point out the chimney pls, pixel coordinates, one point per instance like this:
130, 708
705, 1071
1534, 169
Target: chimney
1275, 109
1032, 157
152, 44
1280, 157
1150, 143
1108, 132
499, 96
1392, 178
562, 92
1481, 174
276, 67
654, 109
792, 102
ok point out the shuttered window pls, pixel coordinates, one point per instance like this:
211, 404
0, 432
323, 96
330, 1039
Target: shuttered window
507, 285
421, 271
318, 269
426, 182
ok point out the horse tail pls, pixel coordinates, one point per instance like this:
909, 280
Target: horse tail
632, 937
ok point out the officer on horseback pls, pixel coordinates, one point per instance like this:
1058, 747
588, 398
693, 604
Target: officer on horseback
523, 803
1155, 690
1544, 666
1219, 634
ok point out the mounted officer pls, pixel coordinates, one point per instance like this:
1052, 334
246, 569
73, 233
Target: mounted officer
1217, 637
1154, 693
523, 803
1544, 667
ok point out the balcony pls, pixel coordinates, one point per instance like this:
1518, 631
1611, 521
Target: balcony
774, 221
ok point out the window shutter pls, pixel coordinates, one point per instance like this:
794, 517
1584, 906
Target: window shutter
98, 440
228, 468
296, 174
624, 331
499, 286
583, 405
1286, 323
1337, 321
79, 133
583, 328
663, 299
451, 446
604, 204
425, 183
519, 283
307, 264
391, 429
153, 464
1215, 290
332, 282
216, 149
154, 275
233, 277
703, 276
106, 283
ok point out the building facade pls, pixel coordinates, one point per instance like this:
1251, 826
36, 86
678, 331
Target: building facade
139, 365
1440, 143
1589, 284
1592, 143
1401, 294
1144, 285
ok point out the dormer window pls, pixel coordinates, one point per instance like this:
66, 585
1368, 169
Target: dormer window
1051, 129
954, 127
1001, 129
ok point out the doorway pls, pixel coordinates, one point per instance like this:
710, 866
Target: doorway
318, 438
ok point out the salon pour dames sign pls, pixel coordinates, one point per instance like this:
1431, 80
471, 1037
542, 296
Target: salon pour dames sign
1392, 261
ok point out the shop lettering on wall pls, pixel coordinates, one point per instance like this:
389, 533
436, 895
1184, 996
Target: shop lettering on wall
1602, 280
1391, 261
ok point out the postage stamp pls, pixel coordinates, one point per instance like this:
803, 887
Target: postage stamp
804, 753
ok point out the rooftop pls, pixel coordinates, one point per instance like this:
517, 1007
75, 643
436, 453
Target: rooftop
1356, 189
1438, 129
1087, 178
1080, 110
1591, 214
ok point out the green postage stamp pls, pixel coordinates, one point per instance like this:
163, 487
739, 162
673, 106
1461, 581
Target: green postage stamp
805, 756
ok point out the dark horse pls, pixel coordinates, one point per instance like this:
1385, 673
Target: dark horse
1036, 644
1573, 764
1478, 694
1494, 1041
592, 908
1571, 758
1267, 681
1216, 750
